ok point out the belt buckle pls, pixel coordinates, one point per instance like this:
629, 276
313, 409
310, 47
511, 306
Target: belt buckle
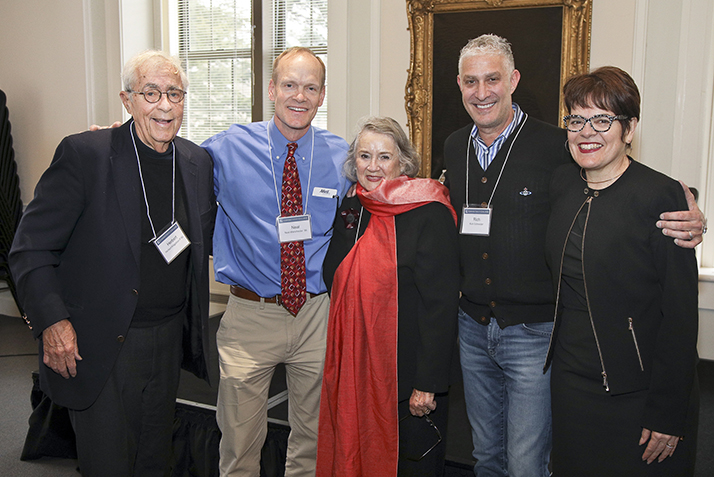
279, 300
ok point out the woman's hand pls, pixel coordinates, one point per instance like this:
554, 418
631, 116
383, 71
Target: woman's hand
660, 445
421, 403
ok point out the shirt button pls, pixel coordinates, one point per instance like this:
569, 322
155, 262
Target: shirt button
596, 193
484, 179
120, 338
483, 319
493, 304
487, 281
484, 256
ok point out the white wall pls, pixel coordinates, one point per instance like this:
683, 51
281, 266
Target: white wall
42, 72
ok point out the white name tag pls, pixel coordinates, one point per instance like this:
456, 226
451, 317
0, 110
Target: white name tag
476, 221
172, 242
294, 228
324, 192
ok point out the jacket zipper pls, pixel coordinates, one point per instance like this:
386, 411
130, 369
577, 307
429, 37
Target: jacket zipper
587, 298
557, 292
587, 202
634, 338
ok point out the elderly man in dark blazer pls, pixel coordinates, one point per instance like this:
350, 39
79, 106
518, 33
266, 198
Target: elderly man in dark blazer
111, 263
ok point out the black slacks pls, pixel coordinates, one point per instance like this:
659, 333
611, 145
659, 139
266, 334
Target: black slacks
128, 429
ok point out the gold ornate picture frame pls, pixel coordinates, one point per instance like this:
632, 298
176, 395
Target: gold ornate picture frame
550, 39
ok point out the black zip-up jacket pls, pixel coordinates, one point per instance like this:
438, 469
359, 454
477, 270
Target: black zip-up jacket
642, 289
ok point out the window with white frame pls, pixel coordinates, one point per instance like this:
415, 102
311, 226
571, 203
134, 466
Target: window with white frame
227, 48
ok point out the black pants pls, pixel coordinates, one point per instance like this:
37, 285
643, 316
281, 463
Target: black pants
128, 429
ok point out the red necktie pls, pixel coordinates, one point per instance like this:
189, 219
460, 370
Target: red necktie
292, 254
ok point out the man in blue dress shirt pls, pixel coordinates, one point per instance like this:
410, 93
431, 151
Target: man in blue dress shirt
257, 332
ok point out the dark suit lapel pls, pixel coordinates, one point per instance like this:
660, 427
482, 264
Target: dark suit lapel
127, 186
189, 174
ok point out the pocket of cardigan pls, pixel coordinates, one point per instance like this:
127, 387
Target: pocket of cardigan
634, 339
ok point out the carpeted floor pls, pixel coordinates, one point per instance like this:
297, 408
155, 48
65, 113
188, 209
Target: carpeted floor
18, 359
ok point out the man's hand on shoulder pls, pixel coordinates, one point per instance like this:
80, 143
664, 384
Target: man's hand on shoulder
687, 227
61, 352
96, 127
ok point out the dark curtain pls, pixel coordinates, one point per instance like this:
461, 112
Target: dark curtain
10, 201
195, 441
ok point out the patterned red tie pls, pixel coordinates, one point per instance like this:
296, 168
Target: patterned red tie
292, 254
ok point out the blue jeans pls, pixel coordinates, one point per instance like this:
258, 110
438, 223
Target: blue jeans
507, 396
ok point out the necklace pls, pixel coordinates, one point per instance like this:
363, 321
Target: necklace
582, 176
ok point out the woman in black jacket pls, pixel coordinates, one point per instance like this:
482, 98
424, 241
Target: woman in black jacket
623, 382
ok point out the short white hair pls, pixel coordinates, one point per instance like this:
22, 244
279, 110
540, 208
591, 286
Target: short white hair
149, 59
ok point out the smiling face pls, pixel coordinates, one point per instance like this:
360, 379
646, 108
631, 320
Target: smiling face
376, 158
157, 124
297, 92
486, 89
602, 154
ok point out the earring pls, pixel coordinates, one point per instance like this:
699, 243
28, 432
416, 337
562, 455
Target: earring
566, 146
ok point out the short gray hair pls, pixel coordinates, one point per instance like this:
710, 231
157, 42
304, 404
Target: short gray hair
409, 159
489, 44
150, 59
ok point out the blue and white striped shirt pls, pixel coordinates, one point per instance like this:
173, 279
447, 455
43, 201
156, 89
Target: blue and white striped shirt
486, 154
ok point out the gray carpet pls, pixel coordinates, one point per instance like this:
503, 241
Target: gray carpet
18, 359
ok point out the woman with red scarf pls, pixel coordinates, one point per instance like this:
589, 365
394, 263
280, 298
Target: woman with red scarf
392, 269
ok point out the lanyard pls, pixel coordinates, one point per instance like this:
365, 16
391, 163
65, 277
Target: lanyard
508, 154
272, 167
143, 188
359, 222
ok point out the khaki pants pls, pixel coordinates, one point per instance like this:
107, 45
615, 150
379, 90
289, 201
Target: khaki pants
252, 339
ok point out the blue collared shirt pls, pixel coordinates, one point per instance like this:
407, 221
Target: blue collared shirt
486, 154
246, 250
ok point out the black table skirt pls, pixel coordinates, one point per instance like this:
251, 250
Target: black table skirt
195, 441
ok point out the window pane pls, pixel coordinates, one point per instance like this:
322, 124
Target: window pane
220, 95
300, 23
215, 47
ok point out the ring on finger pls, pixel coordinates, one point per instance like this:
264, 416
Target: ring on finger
670, 446
691, 236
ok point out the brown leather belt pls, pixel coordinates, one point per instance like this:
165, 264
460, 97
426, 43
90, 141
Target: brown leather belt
241, 292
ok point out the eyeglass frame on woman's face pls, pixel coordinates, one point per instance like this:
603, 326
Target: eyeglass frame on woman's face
611, 119
156, 90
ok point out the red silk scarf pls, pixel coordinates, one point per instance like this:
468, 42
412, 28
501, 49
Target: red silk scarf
359, 429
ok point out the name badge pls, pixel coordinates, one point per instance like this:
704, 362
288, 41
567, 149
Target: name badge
324, 192
172, 242
294, 228
476, 221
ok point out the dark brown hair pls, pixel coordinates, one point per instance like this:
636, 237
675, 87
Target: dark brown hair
608, 88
